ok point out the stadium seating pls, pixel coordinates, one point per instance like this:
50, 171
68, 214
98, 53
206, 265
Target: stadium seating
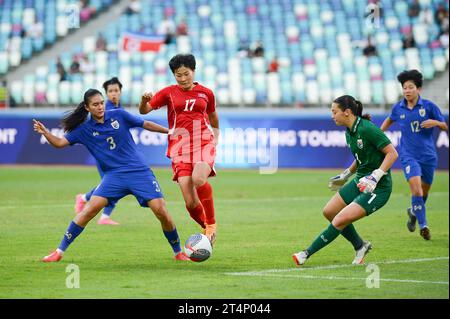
318, 45
28, 26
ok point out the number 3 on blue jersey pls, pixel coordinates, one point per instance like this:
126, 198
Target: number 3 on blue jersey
111, 142
156, 186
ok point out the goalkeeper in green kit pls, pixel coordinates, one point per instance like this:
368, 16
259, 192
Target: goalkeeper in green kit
367, 192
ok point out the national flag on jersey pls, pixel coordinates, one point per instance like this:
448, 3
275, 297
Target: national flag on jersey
141, 42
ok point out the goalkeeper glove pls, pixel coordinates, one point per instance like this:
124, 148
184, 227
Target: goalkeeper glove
367, 184
337, 181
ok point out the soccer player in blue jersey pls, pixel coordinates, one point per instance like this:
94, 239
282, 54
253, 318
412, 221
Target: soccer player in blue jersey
106, 135
113, 90
417, 118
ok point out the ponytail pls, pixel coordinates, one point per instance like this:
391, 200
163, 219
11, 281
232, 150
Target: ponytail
359, 108
74, 118
349, 102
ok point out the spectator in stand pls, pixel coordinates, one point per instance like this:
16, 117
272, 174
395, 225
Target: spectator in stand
134, 7
85, 10
441, 17
61, 70
182, 28
167, 29
408, 41
274, 65
75, 66
370, 49
414, 9
100, 44
257, 49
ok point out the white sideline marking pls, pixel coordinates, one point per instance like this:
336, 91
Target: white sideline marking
56, 204
353, 278
278, 272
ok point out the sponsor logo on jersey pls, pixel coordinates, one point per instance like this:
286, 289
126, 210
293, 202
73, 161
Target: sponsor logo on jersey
422, 112
402, 116
202, 95
115, 124
95, 133
359, 143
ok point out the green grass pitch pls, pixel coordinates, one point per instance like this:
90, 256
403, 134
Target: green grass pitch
262, 220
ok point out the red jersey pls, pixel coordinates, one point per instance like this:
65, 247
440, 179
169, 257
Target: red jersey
187, 112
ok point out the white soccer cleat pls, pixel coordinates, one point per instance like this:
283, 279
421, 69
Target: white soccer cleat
300, 257
361, 253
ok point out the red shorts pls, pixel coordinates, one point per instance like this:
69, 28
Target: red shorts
183, 165
185, 169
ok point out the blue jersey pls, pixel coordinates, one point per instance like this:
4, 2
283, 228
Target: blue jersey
111, 142
416, 142
111, 106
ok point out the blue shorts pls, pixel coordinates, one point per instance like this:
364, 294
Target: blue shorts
412, 167
142, 184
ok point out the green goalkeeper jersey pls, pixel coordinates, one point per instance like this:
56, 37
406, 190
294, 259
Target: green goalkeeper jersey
366, 141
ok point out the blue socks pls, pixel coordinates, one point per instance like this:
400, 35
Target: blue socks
418, 208
72, 232
173, 239
108, 209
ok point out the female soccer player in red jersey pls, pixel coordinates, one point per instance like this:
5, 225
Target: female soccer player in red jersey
193, 136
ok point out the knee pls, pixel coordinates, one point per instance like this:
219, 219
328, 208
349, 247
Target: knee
340, 222
198, 181
327, 213
161, 212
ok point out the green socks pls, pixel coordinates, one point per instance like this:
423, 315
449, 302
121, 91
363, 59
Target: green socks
326, 237
352, 236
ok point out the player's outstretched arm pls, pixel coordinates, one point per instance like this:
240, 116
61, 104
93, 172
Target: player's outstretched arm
144, 105
57, 142
153, 127
386, 124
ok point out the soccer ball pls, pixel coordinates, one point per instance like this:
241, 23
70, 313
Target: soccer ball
198, 247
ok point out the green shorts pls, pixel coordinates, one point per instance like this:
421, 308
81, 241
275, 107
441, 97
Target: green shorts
370, 202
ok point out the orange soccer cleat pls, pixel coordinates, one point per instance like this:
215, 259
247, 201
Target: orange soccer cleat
79, 203
181, 256
53, 257
210, 232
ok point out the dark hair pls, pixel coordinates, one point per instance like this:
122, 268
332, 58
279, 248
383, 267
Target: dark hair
112, 81
411, 75
179, 60
349, 102
74, 118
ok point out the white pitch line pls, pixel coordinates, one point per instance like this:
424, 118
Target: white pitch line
267, 271
219, 200
347, 278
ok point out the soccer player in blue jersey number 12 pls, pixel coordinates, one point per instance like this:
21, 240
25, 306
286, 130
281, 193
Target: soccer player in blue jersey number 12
417, 118
113, 90
106, 135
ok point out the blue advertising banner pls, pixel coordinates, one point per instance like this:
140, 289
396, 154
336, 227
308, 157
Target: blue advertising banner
248, 140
